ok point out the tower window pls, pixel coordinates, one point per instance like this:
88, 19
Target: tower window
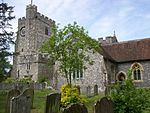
28, 66
46, 31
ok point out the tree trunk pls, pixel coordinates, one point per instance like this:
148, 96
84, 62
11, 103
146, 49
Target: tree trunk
70, 79
66, 75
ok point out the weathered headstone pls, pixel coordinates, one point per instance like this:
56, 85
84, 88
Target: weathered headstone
103, 106
53, 103
12, 93
76, 108
96, 89
30, 93
21, 103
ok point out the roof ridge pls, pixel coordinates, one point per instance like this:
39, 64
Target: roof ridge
129, 41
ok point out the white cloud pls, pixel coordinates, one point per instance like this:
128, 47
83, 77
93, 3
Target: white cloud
102, 26
99, 17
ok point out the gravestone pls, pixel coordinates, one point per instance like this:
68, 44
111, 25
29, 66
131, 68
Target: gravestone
12, 93
53, 103
76, 108
30, 93
96, 89
103, 106
22, 103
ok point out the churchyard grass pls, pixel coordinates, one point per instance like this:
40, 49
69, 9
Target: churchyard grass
39, 100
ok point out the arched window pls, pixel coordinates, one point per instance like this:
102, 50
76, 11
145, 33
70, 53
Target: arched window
121, 76
137, 70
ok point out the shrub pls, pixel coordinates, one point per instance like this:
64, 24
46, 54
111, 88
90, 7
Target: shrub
27, 79
127, 98
70, 94
22, 80
9, 80
42, 79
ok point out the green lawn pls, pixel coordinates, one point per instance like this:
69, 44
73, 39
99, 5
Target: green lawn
39, 100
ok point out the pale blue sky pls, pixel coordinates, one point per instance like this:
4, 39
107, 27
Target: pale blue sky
129, 18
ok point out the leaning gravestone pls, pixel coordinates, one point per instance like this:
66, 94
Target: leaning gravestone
21, 103
53, 103
12, 93
30, 93
103, 106
76, 108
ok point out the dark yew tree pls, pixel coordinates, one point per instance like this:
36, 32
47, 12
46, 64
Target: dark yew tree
6, 38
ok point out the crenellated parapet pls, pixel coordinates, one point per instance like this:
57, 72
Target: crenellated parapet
108, 40
21, 20
31, 13
32, 6
45, 19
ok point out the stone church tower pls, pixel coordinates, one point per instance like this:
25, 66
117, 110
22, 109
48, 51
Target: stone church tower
33, 30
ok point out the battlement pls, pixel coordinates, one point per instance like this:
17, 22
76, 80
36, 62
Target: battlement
108, 40
45, 18
22, 19
31, 6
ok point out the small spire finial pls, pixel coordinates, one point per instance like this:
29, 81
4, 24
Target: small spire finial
31, 2
114, 33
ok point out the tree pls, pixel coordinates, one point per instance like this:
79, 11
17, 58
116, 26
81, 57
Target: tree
6, 37
69, 46
5, 65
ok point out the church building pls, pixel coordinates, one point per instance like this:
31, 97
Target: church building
111, 65
122, 56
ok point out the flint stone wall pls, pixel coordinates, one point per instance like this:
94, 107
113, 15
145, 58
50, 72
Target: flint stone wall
21, 86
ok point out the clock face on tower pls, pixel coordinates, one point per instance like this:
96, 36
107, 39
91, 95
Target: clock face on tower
22, 31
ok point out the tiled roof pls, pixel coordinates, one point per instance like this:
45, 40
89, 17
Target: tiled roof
129, 51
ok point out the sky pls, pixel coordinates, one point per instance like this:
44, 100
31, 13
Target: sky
130, 19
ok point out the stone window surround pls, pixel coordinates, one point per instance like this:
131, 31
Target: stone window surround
141, 71
121, 72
